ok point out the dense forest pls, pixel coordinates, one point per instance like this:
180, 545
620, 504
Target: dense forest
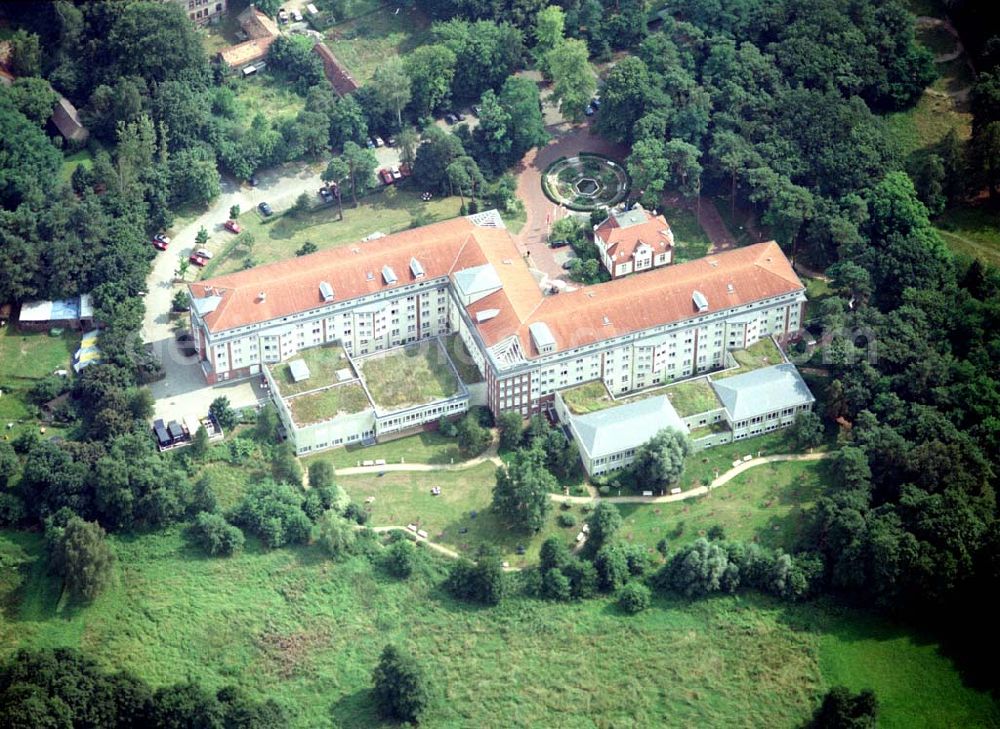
780, 104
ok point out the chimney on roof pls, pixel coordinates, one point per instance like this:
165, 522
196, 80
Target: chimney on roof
262, 296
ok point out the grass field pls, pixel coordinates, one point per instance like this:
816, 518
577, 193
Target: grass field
408, 376
26, 358
269, 94
405, 497
428, 447
973, 232
281, 236
764, 505
315, 407
291, 625
690, 241
72, 161
364, 43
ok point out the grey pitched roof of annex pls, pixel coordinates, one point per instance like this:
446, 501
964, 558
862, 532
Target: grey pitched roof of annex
620, 428
762, 391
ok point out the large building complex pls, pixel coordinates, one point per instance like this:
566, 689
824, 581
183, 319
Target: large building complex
465, 276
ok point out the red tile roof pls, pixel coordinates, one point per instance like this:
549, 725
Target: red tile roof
585, 316
338, 76
621, 242
292, 286
663, 296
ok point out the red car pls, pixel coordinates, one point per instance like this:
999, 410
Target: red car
197, 260
232, 226
386, 176
160, 242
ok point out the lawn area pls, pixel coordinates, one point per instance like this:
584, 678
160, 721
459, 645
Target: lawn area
404, 497
315, 407
323, 363
363, 44
229, 482
690, 241
587, 398
972, 231
289, 624
763, 353
407, 376
460, 357
267, 93
692, 397
72, 161
426, 447
700, 467
764, 504
26, 358
816, 290
282, 235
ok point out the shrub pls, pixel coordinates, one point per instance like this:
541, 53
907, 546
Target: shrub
12, 510
273, 511
604, 490
215, 535
79, 553
401, 691
355, 512
400, 557
634, 597
566, 520
320, 474
336, 535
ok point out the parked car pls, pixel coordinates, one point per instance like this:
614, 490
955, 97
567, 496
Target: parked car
460, 116
391, 142
296, 16
160, 242
265, 210
370, 143
450, 118
596, 102
252, 180
232, 226
204, 253
589, 111
197, 260
560, 243
386, 176
396, 174
326, 194
404, 169
477, 110
379, 142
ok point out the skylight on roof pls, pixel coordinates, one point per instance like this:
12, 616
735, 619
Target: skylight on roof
326, 291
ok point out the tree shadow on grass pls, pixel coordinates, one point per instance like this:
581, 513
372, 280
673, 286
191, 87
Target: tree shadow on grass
357, 709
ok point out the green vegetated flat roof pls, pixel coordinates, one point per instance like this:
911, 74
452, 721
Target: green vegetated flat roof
692, 397
462, 360
710, 429
409, 376
323, 363
315, 407
764, 353
587, 398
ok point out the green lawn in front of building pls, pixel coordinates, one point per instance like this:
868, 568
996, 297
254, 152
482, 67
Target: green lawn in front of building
279, 237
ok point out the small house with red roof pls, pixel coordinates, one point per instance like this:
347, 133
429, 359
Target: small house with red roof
634, 240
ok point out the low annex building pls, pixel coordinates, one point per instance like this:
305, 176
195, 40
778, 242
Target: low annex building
634, 240
466, 277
